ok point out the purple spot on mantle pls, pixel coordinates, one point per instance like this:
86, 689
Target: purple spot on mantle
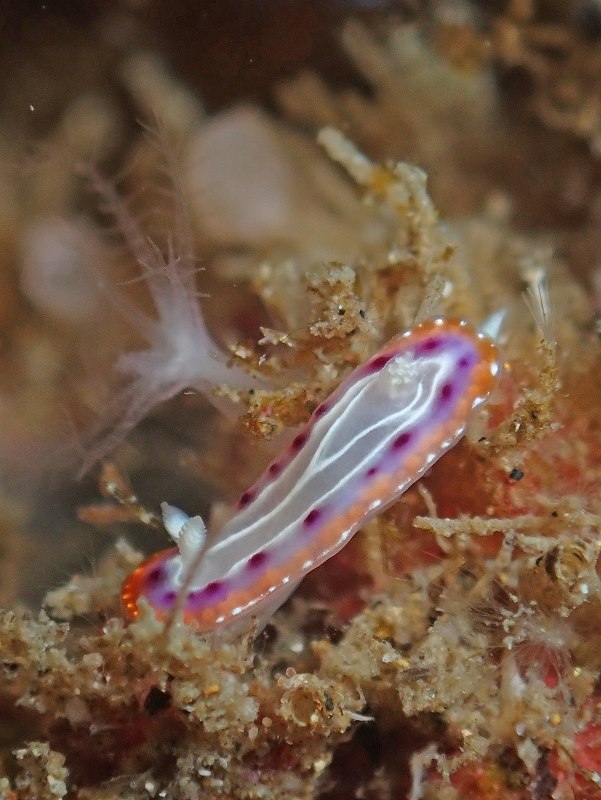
257, 560
429, 345
401, 441
274, 469
213, 588
320, 410
446, 391
463, 362
169, 597
312, 517
156, 575
372, 471
299, 441
246, 499
378, 363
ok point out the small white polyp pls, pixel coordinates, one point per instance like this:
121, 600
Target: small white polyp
492, 325
189, 533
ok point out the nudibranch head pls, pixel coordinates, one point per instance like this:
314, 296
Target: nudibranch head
150, 580
380, 430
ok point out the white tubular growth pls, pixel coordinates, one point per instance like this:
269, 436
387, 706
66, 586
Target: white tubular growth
176, 350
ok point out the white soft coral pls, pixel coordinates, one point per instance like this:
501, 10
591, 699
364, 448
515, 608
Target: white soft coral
180, 353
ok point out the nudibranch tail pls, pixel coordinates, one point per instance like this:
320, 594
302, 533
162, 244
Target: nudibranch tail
380, 430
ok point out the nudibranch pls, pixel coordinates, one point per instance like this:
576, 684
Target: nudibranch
380, 430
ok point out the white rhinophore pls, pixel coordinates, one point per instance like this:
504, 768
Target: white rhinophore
189, 533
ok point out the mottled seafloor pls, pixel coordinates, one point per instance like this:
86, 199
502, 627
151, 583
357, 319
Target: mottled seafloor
451, 650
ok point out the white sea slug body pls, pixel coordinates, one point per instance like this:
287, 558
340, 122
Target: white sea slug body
382, 428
